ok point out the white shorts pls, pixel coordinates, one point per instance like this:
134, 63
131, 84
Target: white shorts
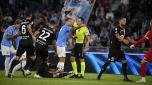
7, 50
61, 51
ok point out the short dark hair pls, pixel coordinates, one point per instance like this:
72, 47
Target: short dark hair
121, 17
82, 19
52, 66
52, 22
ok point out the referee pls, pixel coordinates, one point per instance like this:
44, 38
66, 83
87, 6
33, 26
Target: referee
81, 45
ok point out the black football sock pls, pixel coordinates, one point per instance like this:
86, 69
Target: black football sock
13, 64
41, 67
104, 67
30, 63
124, 69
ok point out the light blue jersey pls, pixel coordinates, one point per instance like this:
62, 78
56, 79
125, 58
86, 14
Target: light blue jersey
9, 31
63, 36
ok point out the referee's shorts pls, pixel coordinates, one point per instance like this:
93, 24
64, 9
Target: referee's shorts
78, 51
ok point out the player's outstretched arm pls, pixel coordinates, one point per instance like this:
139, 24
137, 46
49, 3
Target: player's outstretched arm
143, 39
147, 37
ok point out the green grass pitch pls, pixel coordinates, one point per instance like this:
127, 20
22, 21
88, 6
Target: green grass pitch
90, 79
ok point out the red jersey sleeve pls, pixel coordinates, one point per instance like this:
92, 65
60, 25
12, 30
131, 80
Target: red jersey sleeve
147, 37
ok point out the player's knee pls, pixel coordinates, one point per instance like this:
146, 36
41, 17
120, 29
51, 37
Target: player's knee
17, 58
108, 62
72, 59
62, 59
14, 53
123, 61
33, 57
143, 61
82, 60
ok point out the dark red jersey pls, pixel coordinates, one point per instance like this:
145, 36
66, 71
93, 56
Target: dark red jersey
147, 37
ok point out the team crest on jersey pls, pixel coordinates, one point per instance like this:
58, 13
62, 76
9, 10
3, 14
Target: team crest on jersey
116, 30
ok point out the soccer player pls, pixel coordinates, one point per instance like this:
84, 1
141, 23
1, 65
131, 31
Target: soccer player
148, 55
62, 41
51, 71
81, 46
25, 44
21, 65
118, 35
46, 36
7, 47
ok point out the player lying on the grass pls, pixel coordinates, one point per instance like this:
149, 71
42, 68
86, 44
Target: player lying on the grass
21, 65
148, 55
51, 71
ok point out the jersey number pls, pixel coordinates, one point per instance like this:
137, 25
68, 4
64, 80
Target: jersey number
44, 35
23, 29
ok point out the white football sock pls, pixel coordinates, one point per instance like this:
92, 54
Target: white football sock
17, 67
60, 66
23, 63
7, 59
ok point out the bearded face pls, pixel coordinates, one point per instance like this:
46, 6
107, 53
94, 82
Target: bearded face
123, 21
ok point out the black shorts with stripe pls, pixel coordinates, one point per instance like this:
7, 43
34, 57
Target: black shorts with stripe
26, 45
116, 55
78, 51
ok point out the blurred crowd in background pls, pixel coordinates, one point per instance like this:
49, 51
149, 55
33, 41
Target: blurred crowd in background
102, 18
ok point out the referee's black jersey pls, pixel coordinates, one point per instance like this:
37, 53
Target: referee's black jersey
114, 42
24, 30
46, 36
